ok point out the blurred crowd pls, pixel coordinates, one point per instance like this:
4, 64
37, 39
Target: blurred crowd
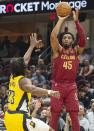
40, 75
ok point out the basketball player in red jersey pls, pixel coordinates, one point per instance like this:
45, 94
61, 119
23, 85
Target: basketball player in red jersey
66, 61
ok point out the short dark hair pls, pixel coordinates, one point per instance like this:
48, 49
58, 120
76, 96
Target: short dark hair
63, 33
17, 66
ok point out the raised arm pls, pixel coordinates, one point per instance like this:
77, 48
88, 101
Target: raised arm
81, 33
56, 47
33, 43
26, 85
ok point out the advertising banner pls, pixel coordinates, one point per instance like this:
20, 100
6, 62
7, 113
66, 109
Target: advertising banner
39, 6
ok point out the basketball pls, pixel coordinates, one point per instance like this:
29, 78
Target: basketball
63, 9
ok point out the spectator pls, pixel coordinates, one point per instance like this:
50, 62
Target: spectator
90, 117
32, 68
87, 68
89, 90
84, 124
84, 55
86, 94
92, 100
20, 45
7, 68
68, 123
40, 78
43, 115
4, 94
1, 113
91, 80
6, 44
5, 107
81, 96
61, 122
41, 64
44, 72
83, 121
48, 115
34, 108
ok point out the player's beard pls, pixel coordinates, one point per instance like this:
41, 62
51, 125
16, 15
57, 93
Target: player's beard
66, 46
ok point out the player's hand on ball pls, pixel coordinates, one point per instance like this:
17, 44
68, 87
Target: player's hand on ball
76, 14
55, 94
63, 18
33, 40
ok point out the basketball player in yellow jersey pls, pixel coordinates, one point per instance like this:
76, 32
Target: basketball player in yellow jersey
17, 117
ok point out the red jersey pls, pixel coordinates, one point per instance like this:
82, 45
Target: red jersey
66, 66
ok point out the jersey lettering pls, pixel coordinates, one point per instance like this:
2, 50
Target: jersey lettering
11, 96
67, 65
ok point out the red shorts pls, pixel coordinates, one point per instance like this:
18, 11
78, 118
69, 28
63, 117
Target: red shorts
68, 97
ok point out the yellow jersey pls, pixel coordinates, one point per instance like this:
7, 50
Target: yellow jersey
18, 100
